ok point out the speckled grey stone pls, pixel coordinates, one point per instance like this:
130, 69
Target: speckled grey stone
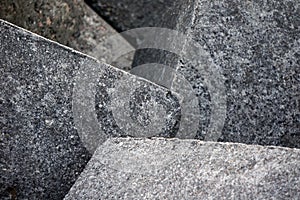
44, 139
68, 22
255, 43
127, 168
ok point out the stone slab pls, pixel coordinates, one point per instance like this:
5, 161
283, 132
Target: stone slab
157, 168
254, 45
57, 105
68, 22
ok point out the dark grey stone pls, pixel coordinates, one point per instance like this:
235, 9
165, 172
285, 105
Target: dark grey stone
56, 107
127, 14
188, 169
255, 44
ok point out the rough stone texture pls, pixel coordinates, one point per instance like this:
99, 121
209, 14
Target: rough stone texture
257, 46
130, 168
42, 147
69, 22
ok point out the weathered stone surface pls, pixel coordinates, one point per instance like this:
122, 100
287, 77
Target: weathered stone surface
256, 45
71, 23
127, 168
56, 104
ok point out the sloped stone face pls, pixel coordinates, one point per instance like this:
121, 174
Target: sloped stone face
255, 44
188, 169
56, 104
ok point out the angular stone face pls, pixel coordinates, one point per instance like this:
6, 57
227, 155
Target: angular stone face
255, 45
188, 169
58, 105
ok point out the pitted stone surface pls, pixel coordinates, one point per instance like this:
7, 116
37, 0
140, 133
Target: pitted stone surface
128, 168
257, 46
43, 149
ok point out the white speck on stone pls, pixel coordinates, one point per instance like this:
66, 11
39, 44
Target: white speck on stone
49, 122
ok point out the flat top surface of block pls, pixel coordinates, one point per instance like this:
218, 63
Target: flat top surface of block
127, 168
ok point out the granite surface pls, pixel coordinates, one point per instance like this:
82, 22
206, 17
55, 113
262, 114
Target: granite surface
128, 168
255, 45
68, 22
57, 105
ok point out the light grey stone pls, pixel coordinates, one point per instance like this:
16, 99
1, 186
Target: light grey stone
56, 108
157, 168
